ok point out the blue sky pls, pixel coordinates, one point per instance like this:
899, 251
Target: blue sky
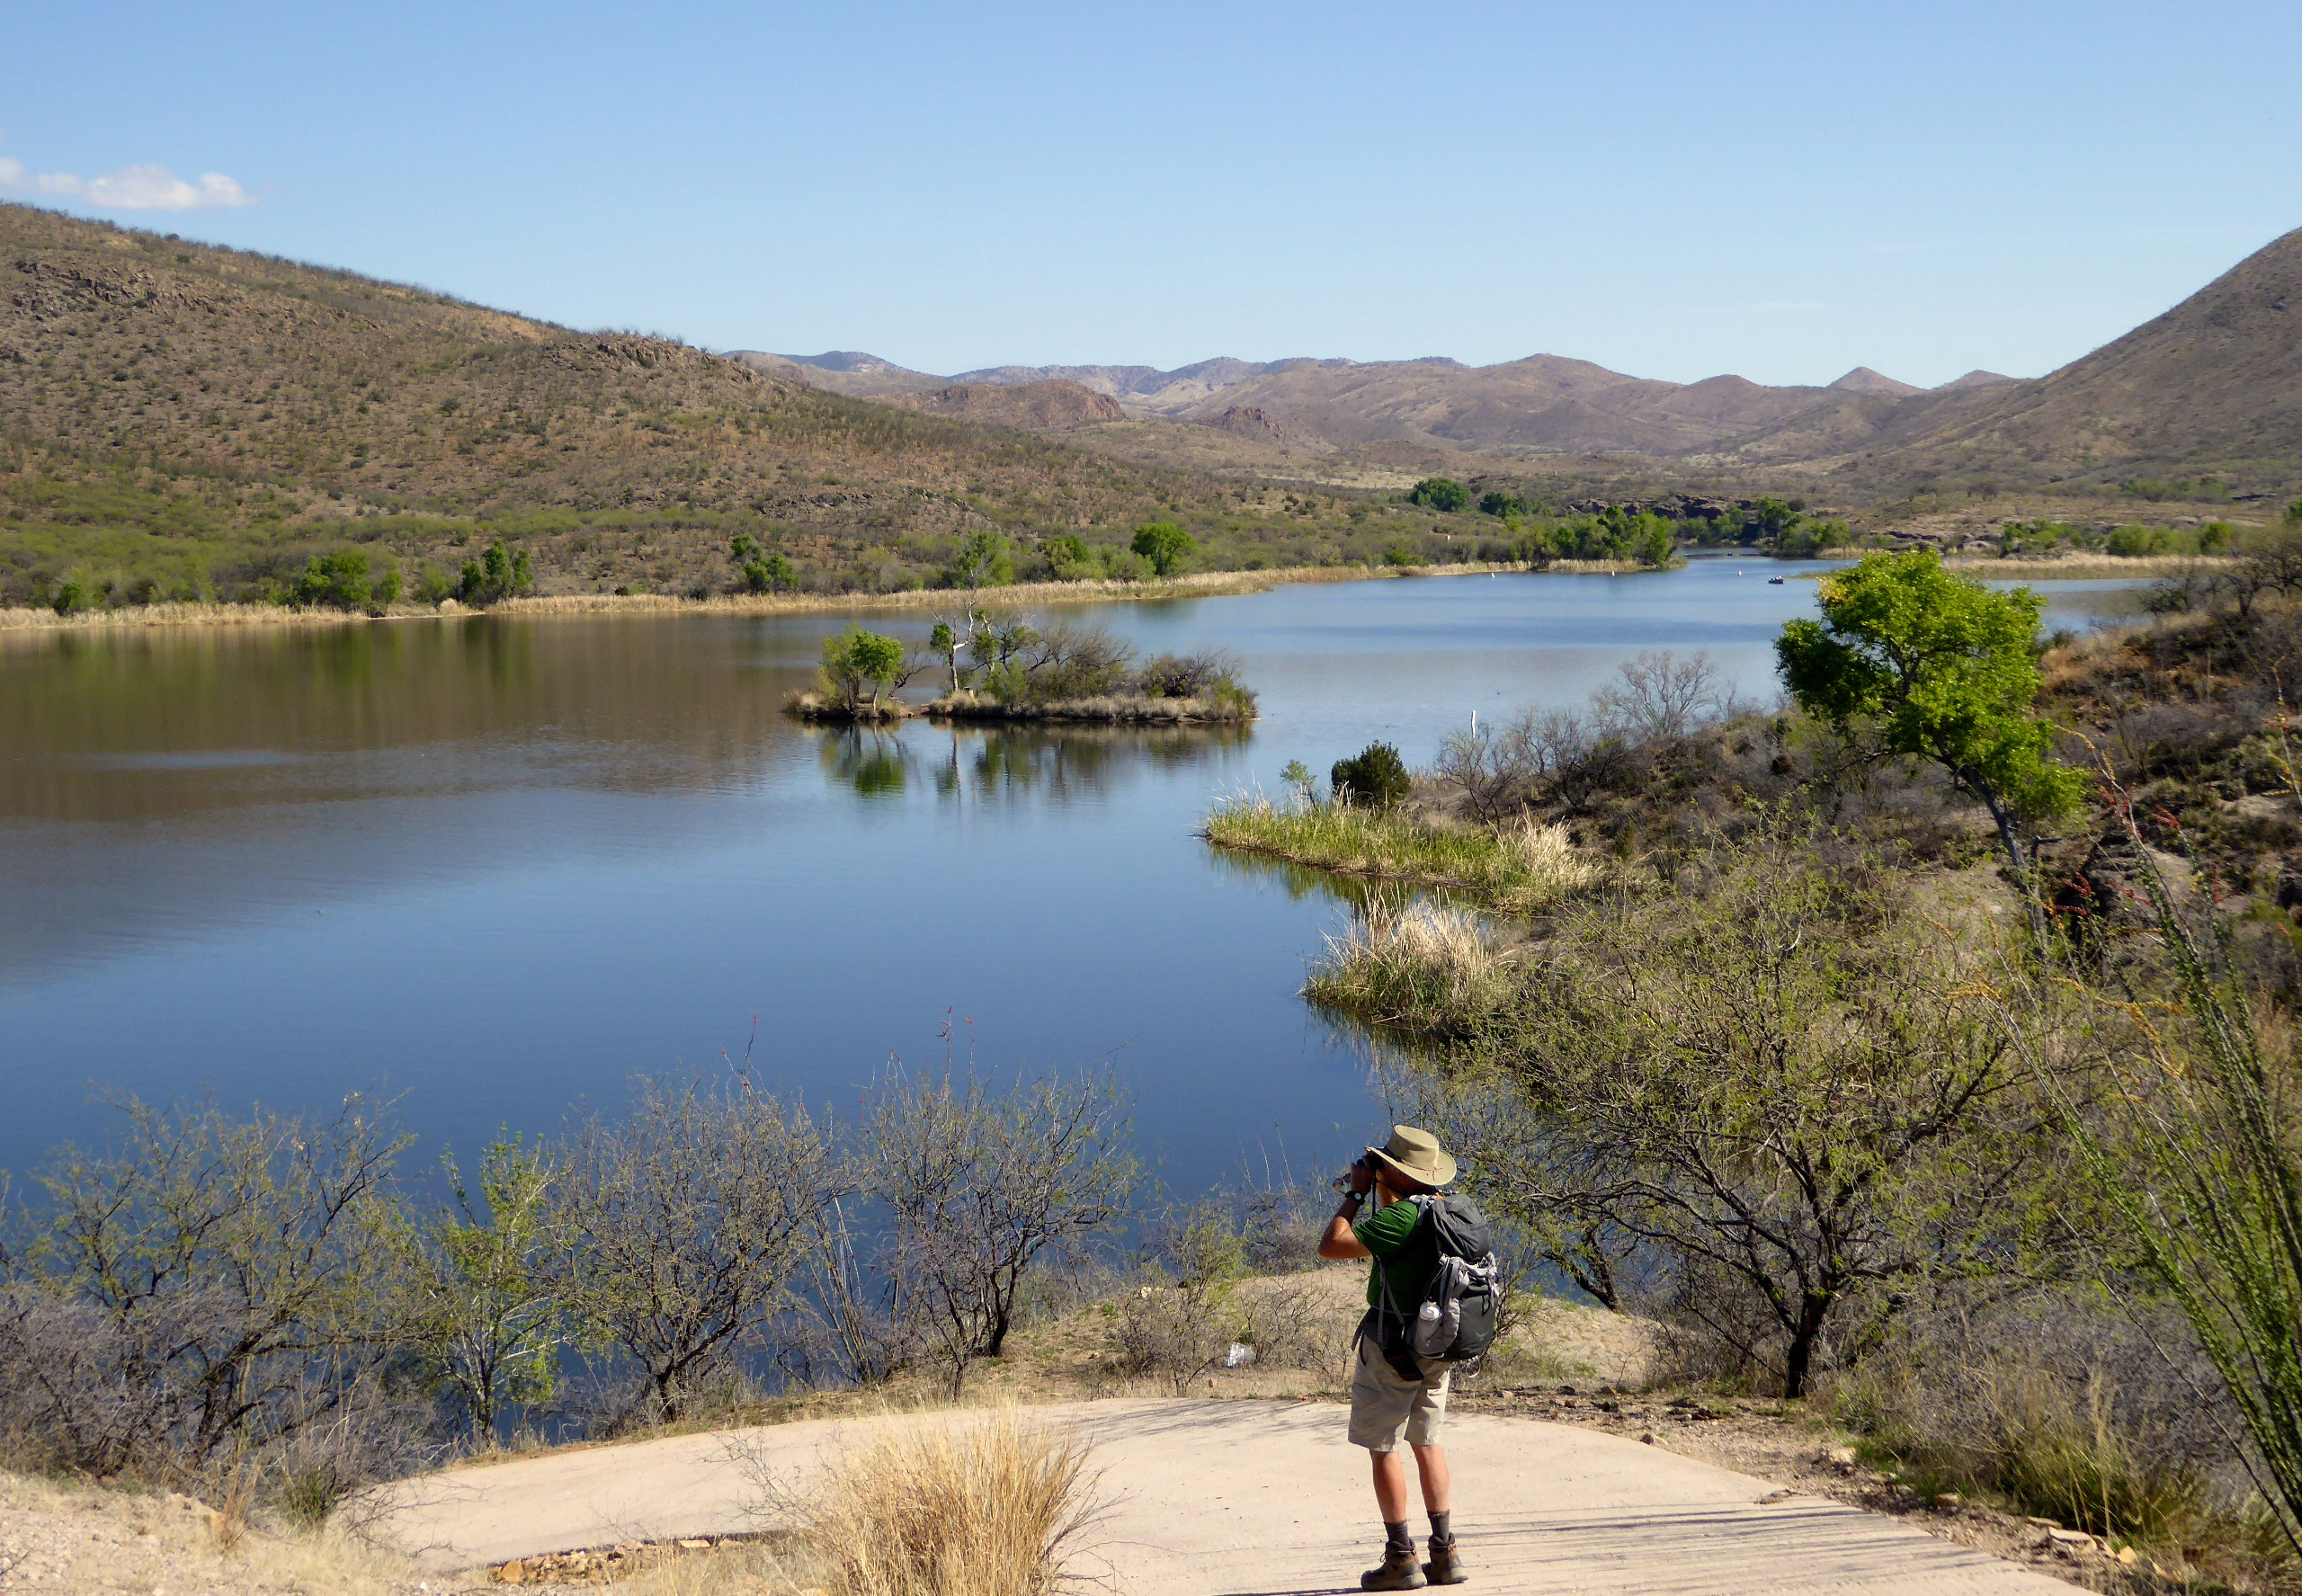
1675, 190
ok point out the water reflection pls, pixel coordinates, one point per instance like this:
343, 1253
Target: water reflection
972, 763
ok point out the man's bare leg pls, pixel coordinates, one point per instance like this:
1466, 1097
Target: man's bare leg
1391, 1484
1438, 1484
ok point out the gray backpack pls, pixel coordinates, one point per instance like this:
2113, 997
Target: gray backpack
1462, 1303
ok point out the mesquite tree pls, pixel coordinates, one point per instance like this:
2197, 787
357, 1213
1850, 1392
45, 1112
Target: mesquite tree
682, 1225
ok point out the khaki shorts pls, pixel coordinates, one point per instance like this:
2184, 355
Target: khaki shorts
1383, 1403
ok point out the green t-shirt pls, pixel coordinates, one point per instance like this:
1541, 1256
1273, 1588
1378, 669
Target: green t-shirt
1403, 1257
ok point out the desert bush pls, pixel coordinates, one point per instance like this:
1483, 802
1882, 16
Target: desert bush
1187, 675
1375, 777
1490, 766
203, 1292
859, 666
1181, 1323
1658, 696
992, 1506
2193, 1155
500, 573
1443, 493
481, 1315
977, 1186
339, 581
2058, 1403
1072, 661
1782, 1087
682, 1227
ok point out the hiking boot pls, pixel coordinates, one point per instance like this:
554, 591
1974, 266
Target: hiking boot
1399, 1571
1446, 1565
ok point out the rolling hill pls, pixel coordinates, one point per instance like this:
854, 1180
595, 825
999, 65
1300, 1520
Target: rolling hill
2213, 385
193, 420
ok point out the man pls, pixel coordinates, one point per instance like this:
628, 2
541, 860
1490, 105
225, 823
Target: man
1385, 1402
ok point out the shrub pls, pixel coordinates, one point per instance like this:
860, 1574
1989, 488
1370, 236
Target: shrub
1375, 777
500, 573
1187, 675
1068, 556
1499, 503
1181, 1326
976, 1186
761, 571
685, 1224
339, 581
983, 560
1443, 493
208, 1289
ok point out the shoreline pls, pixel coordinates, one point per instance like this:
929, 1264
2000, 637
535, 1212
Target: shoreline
25, 622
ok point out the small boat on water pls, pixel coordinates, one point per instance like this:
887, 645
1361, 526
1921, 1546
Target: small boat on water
1774, 581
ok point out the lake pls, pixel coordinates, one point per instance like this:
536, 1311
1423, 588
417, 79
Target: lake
494, 867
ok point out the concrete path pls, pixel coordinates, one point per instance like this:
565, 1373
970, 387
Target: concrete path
1263, 1499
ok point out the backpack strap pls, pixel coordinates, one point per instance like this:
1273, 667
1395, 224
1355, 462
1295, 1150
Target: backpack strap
1397, 1344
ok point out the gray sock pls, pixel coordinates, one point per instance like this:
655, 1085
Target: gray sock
1395, 1538
1442, 1532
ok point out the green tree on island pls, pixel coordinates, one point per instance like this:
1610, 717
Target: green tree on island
1166, 546
1910, 660
856, 663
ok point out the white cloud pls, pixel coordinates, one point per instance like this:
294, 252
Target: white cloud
131, 188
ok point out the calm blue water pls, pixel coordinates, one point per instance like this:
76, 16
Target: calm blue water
495, 867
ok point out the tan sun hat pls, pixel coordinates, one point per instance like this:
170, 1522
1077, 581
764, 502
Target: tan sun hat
1416, 1155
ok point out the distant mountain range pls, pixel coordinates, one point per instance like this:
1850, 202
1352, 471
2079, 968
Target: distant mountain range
1541, 402
2214, 384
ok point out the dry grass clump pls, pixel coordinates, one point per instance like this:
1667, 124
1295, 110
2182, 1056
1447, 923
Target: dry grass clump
1401, 962
1517, 867
989, 1508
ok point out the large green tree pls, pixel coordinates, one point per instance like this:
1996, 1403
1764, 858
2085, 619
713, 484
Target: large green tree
1166, 546
1912, 660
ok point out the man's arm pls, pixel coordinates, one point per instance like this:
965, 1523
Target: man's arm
1340, 1242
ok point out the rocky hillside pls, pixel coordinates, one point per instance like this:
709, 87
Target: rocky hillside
2214, 385
1034, 406
200, 420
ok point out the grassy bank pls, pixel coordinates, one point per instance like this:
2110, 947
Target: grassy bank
1197, 585
2095, 567
1518, 868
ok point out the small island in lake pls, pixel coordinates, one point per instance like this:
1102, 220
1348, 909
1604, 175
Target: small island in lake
995, 668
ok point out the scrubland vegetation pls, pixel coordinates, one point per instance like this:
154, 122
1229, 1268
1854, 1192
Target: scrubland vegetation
269, 1312
1918, 1049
